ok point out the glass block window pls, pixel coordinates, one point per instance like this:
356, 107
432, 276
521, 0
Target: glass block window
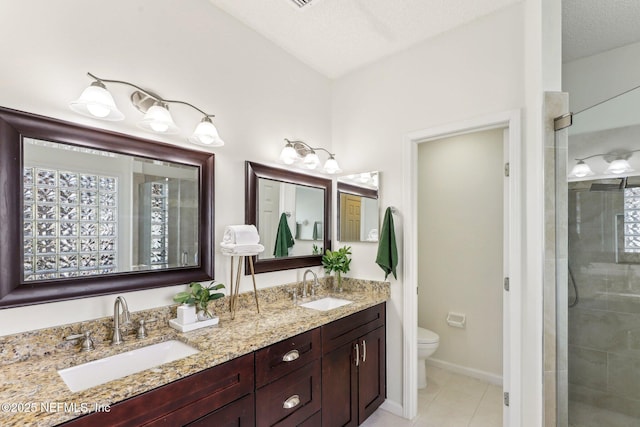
632, 220
70, 224
159, 218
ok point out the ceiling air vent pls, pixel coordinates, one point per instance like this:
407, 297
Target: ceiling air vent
302, 3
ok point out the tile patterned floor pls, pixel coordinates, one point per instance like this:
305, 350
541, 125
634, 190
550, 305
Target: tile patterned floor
450, 400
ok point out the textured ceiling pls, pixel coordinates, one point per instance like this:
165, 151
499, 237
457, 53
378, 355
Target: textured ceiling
337, 36
594, 26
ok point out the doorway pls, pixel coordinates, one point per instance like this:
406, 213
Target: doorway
508, 283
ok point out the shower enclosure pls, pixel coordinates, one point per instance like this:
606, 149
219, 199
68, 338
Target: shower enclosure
602, 304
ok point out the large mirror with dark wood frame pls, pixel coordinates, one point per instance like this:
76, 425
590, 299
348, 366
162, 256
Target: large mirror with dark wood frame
89, 212
291, 211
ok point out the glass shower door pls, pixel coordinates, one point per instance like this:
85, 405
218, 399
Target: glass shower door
603, 333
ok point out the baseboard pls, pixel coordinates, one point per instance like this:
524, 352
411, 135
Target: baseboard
394, 407
475, 373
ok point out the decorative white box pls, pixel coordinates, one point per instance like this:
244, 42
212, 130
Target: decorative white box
193, 326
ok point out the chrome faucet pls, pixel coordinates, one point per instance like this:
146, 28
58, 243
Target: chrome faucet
117, 334
313, 285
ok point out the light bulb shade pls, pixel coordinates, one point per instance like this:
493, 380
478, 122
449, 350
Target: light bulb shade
96, 101
619, 166
311, 160
331, 166
206, 134
288, 155
580, 170
158, 120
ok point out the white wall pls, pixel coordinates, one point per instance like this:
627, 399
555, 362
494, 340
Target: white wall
596, 78
460, 238
190, 51
474, 70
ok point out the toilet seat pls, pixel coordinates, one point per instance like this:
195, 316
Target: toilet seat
425, 336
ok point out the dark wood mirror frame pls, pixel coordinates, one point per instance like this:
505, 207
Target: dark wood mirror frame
253, 172
14, 291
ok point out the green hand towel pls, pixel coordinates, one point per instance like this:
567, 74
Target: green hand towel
284, 239
387, 257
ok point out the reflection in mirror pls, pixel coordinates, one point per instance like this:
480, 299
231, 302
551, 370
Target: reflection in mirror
291, 212
358, 218
91, 212
290, 219
604, 219
94, 212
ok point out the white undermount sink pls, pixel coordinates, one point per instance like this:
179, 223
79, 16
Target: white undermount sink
101, 371
326, 303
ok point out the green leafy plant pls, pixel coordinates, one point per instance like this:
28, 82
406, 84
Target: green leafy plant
338, 262
316, 250
200, 296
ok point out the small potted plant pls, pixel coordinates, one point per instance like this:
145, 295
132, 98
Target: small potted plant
337, 261
200, 296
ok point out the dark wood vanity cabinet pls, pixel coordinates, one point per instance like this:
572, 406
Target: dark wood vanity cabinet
353, 367
288, 376
330, 376
223, 393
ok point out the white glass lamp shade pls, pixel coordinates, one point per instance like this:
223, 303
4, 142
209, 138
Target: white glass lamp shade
331, 166
288, 154
580, 170
619, 166
206, 134
96, 101
158, 120
311, 160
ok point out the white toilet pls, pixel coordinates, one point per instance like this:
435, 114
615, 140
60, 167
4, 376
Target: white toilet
427, 344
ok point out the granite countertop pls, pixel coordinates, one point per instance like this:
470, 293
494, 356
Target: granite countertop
33, 394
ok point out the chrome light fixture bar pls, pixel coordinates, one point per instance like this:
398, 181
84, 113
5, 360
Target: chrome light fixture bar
97, 102
299, 151
618, 164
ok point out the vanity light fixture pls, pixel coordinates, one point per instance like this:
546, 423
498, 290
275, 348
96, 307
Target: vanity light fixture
96, 102
618, 164
298, 151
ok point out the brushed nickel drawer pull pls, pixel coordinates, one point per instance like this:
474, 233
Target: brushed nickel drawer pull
291, 356
291, 402
357, 354
364, 351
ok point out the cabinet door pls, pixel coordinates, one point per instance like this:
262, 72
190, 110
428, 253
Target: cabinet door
372, 369
350, 328
340, 387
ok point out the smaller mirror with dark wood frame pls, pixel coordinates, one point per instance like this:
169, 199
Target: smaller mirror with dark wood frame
291, 211
358, 210
89, 212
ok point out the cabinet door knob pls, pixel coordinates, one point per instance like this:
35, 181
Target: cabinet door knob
291, 402
364, 351
290, 356
357, 354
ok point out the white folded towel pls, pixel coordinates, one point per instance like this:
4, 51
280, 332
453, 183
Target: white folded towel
231, 249
241, 235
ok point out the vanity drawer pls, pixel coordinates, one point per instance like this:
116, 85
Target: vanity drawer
347, 329
291, 400
237, 414
286, 356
